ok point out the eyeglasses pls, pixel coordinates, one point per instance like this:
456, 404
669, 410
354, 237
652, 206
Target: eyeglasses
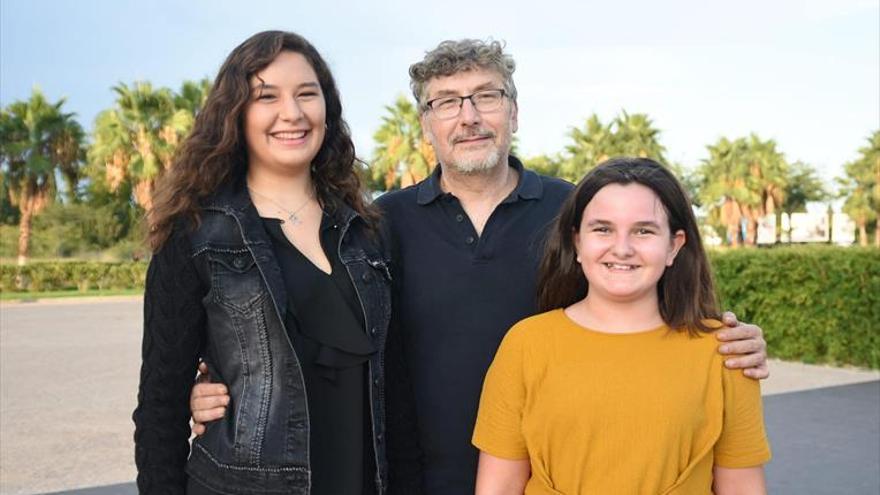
448, 107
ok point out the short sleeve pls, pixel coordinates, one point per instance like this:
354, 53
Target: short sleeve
499, 421
743, 441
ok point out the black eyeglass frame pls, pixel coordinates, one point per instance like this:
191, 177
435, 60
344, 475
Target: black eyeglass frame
430, 103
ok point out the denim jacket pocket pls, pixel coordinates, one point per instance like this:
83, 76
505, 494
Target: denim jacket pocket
235, 279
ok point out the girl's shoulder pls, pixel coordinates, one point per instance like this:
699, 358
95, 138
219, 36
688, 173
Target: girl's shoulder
536, 329
551, 318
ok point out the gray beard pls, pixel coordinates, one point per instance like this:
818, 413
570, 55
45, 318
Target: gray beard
477, 166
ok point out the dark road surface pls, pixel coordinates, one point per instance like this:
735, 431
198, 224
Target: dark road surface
824, 441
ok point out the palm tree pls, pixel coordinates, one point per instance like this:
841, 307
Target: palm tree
745, 180
626, 135
861, 188
192, 95
636, 136
721, 186
590, 146
872, 157
765, 179
402, 155
135, 141
37, 139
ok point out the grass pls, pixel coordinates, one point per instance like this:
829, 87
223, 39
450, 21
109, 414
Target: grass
33, 296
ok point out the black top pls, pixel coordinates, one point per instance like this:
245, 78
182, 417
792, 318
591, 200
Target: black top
457, 294
176, 319
325, 322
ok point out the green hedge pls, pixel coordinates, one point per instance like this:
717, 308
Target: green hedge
817, 304
65, 275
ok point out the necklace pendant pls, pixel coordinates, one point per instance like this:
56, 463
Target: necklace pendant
294, 220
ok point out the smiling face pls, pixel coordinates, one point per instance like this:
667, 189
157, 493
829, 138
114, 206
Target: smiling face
624, 243
473, 141
284, 119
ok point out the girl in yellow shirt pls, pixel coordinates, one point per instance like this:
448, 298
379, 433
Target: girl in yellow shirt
614, 389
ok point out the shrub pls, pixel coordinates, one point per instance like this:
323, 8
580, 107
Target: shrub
818, 304
79, 230
67, 275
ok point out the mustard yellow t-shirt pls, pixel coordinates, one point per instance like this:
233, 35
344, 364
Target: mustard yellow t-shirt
640, 413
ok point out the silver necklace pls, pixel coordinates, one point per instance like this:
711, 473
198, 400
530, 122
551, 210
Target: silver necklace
292, 215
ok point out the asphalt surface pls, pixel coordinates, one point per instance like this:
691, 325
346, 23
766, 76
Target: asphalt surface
68, 386
68, 379
825, 441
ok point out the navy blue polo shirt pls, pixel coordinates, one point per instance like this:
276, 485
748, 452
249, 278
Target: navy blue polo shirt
457, 294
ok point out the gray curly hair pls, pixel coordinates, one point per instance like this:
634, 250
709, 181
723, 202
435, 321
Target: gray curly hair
454, 56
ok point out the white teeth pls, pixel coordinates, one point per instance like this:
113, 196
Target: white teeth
618, 266
289, 135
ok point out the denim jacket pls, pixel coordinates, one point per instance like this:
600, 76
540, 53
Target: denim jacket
262, 445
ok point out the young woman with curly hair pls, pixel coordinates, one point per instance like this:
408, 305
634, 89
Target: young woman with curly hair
268, 266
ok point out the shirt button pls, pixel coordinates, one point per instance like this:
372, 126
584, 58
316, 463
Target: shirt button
459, 218
373, 331
238, 262
365, 277
469, 239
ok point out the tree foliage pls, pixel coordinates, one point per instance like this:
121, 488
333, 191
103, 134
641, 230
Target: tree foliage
402, 156
861, 188
545, 165
742, 181
626, 135
802, 186
135, 141
37, 140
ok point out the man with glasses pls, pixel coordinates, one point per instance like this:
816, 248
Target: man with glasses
468, 240
467, 244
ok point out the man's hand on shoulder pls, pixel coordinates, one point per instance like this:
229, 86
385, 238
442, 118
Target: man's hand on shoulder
745, 342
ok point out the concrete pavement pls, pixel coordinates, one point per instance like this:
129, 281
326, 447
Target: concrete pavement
68, 385
68, 381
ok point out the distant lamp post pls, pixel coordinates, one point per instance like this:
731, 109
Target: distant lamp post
830, 225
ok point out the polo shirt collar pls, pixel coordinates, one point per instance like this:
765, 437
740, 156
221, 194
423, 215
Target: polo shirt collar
528, 187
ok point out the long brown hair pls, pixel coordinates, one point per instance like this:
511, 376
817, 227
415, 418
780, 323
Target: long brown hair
215, 151
685, 291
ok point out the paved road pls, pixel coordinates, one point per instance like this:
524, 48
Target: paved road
825, 441
68, 374
68, 384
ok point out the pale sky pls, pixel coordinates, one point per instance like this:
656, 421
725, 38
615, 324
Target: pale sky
805, 73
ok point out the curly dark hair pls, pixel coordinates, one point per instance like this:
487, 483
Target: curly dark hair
215, 152
686, 292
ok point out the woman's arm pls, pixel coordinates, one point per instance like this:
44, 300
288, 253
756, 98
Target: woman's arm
497, 476
174, 322
739, 481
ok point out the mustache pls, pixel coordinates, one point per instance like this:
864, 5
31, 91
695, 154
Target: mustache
480, 133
